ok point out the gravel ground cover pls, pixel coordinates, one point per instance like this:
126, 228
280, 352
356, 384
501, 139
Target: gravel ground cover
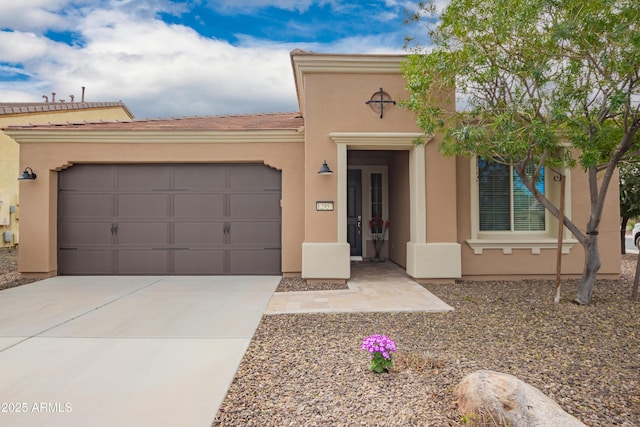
293, 284
307, 369
9, 276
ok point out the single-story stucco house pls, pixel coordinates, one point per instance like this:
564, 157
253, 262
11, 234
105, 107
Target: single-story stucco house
244, 194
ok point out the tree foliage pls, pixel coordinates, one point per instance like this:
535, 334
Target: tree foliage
541, 83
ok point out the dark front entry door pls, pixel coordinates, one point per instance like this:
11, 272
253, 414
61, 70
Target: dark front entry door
354, 211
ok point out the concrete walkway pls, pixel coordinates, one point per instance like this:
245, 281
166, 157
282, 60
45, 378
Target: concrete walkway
374, 287
154, 351
124, 351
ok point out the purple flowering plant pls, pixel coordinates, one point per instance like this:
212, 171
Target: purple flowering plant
379, 348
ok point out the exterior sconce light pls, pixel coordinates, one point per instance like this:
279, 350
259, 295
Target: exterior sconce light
324, 170
27, 174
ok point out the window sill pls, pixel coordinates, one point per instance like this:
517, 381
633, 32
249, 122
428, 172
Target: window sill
508, 245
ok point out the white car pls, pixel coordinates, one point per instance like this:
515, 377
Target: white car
636, 235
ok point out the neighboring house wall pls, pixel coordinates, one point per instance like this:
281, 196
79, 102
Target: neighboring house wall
38, 113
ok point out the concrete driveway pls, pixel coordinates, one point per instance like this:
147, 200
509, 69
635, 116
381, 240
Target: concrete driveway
124, 351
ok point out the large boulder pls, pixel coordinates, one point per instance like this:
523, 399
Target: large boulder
504, 399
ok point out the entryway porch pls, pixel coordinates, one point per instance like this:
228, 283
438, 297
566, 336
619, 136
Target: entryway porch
373, 287
439, 258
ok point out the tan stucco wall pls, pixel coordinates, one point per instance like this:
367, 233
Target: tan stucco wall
521, 262
337, 118
441, 200
399, 233
336, 103
9, 151
38, 256
335, 107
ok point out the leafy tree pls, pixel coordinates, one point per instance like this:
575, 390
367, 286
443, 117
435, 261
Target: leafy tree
629, 197
550, 83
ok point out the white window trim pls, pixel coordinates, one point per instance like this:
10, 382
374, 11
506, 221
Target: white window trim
532, 240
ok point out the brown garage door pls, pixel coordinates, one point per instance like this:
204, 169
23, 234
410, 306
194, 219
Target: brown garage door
169, 219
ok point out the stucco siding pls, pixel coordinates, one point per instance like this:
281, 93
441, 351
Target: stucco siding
39, 198
522, 263
337, 103
399, 233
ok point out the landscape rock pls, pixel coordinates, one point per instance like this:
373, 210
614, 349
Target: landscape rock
504, 399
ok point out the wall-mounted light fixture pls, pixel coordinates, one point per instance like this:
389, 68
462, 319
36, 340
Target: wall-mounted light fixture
324, 170
27, 174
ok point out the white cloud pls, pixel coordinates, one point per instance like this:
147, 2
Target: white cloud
16, 95
246, 6
32, 15
375, 44
159, 70
16, 47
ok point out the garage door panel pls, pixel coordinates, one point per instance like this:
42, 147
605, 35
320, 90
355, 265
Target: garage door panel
143, 205
86, 262
143, 233
85, 177
85, 233
255, 233
199, 233
255, 206
143, 177
201, 177
254, 177
255, 261
86, 205
206, 206
143, 261
195, 261
169, 219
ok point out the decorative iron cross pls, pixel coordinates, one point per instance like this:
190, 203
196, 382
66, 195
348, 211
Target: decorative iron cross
378, 100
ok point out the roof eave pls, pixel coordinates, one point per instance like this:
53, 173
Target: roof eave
163, 136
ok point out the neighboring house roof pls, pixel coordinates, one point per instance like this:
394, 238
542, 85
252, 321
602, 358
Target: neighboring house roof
9, 108
273, 121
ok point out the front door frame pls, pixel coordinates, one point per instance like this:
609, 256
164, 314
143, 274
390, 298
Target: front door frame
367, 214
354, 218
417, 199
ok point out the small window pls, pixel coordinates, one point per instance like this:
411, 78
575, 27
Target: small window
504, 203
376, 198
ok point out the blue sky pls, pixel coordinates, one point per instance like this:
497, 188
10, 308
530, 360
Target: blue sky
166, 58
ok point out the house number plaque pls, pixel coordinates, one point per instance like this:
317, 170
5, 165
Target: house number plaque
324, 206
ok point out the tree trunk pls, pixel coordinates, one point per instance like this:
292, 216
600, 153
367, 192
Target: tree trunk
591, 268
623, 235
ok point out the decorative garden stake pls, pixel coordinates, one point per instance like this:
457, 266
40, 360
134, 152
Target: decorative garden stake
378, 231
380, 348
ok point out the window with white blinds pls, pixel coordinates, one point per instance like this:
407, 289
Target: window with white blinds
504, 203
